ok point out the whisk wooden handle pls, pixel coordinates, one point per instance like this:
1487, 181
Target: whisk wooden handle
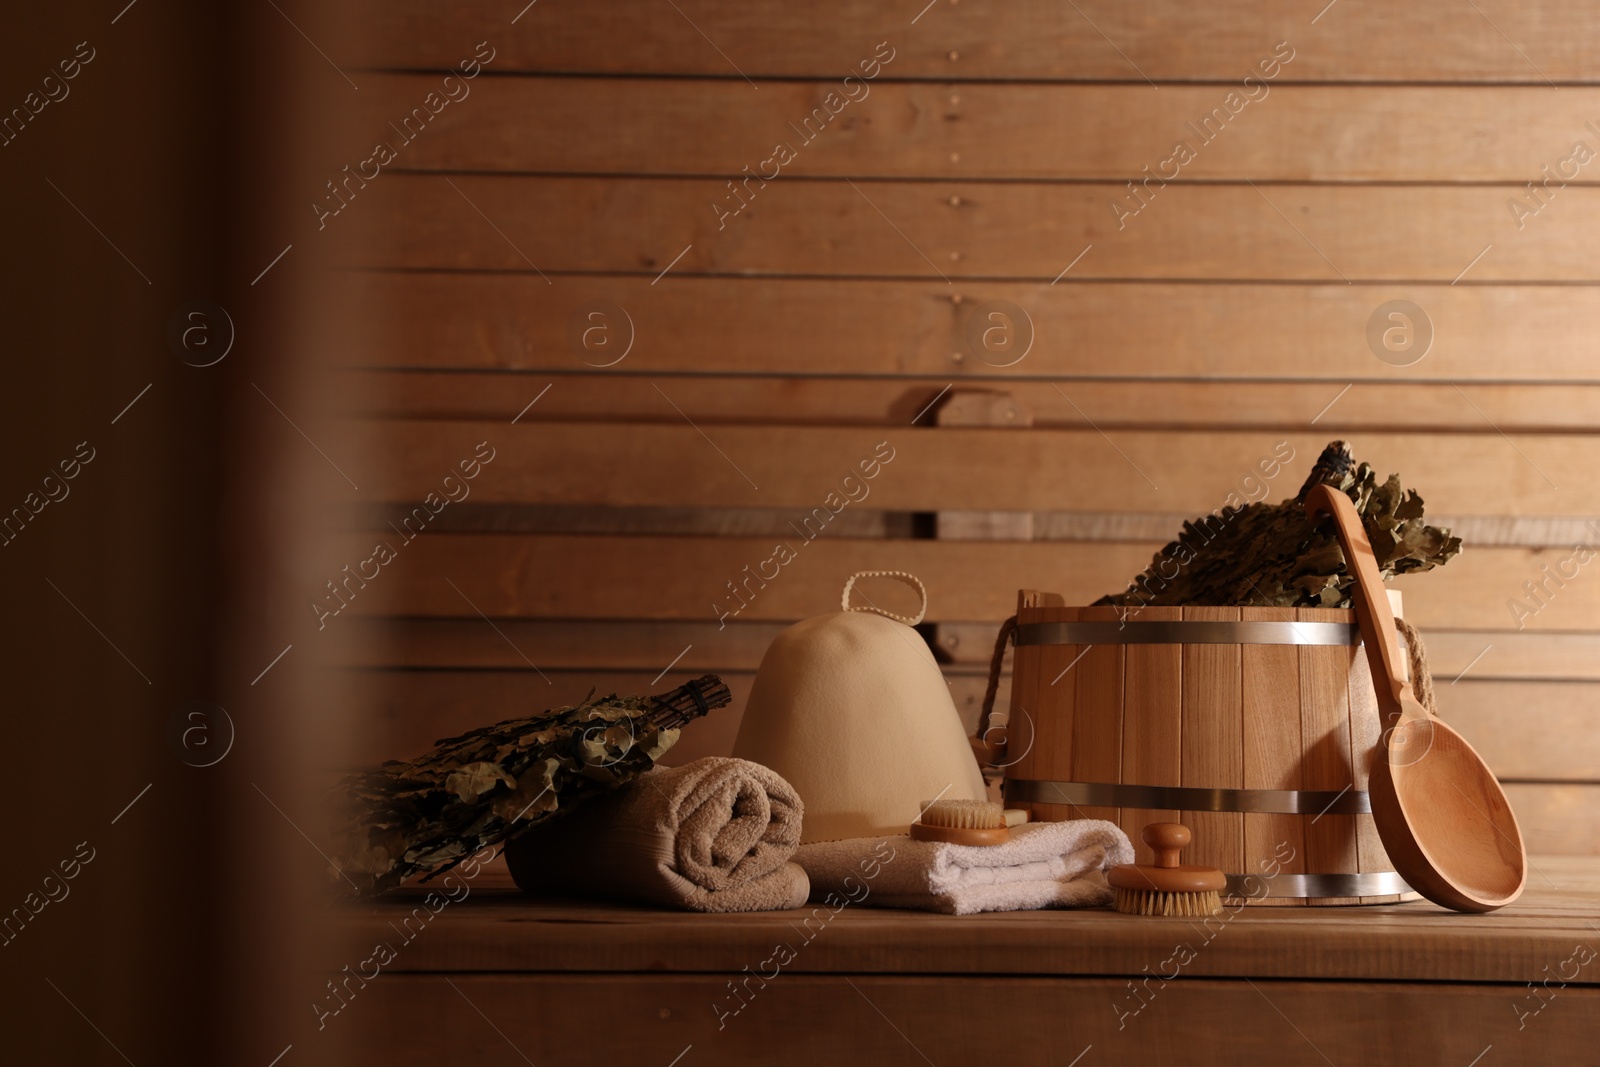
689, 701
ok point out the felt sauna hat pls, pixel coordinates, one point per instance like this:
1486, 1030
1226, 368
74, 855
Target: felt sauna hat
851, 709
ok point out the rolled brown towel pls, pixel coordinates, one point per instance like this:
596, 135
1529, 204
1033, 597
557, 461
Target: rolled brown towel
713, 835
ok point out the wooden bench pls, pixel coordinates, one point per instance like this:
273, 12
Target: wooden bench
564, 982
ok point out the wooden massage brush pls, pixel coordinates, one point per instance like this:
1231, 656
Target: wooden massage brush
966, 822
1167, 887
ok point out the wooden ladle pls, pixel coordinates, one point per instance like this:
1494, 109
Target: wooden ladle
1442, 816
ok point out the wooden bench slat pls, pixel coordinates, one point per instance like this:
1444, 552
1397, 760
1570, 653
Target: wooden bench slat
682, 578
1561, 817
1176, 472
1220, 405
649, 646
510, 932
717, 127
1548, 731
949, 231
907, 1019
868, 328
911, 1019
1167, 39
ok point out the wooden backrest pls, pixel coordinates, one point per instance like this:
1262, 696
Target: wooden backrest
682, 268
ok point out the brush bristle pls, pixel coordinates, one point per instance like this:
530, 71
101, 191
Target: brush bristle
1149, 902
964, 815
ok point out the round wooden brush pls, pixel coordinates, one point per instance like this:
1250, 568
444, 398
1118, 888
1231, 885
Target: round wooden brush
1168, 887
966, 822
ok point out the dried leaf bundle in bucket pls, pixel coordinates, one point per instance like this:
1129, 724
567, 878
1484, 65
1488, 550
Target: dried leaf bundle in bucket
1272, 555
486, 786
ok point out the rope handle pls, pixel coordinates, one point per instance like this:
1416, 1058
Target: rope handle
1421, 676
1008, 629
909, 579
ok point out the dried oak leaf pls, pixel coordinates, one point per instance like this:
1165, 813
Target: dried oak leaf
475, 779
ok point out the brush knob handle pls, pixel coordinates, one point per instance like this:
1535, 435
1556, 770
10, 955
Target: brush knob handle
1167, 840
1168, 875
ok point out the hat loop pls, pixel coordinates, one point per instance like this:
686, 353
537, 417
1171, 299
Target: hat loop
909, 579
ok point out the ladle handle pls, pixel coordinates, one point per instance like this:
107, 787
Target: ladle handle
1373, 613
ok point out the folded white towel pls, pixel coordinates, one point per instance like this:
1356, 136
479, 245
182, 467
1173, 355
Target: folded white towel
1044, 865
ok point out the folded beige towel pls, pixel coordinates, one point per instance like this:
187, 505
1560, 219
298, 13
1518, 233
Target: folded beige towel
1044, 865
713, 835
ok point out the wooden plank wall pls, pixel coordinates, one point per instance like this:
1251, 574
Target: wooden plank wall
574, 256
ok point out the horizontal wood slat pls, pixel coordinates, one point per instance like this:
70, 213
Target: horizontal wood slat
612, 646
890, 1019
942, 231
966, 132
1479, 531
1545, 731
650, 646
1357, 41
409, 710
1418, 941
1540, 730
1184, 473
554, 576
1453, 654
864, 328
1388, 406
1556, 819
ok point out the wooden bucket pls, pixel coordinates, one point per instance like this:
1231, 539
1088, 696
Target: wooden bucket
1253, 726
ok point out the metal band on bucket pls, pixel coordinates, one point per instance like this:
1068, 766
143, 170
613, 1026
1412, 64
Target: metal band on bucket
1185, 798
1270, 801
1188, 633
1373, 884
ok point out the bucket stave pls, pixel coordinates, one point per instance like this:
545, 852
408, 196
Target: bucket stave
1258, 737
